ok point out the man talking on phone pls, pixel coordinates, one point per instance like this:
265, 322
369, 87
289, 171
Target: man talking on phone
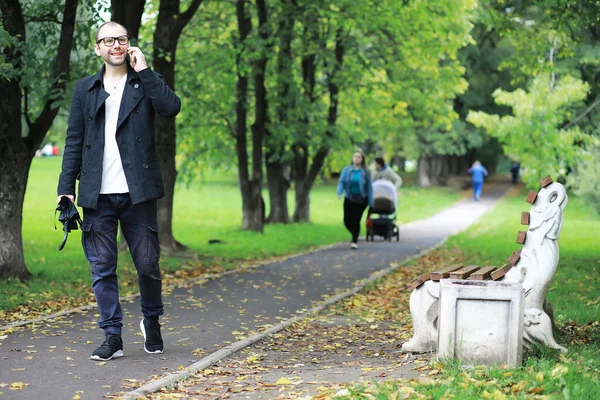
110, 149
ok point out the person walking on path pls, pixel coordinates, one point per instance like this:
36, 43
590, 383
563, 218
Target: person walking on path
110, 148
355, 183
383, 171
478, 174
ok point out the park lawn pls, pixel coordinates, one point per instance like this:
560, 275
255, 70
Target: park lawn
573, 294
205, 210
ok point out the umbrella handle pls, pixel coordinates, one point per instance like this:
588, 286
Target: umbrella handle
64, 241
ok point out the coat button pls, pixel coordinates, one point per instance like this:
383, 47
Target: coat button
138, 139
83, 172
136, 111
87, 146
136, 85
145, 165
91, 117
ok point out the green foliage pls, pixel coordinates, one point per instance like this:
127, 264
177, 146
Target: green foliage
533, 134
38, 54
586, 179
396, 79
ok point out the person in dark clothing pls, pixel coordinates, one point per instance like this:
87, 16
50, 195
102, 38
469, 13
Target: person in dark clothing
515, 167
110, 148
355, 183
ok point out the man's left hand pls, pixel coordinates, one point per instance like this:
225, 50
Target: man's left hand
137, 60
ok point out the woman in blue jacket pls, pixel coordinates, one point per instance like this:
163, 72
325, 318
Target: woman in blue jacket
355, 183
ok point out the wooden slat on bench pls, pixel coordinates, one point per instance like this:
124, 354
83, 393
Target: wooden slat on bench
514, 257
521, 236
525, 218
482, 274
418, 281
531, 197
546, 181
463, 273
501, 272
444, 272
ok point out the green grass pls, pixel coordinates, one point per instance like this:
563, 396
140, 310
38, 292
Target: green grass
573, 294
210, 209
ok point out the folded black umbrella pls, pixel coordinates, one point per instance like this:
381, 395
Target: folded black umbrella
69, 217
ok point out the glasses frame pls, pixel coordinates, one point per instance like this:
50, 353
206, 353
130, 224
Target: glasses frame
115, 40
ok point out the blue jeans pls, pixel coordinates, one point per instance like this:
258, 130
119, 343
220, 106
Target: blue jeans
477, 186
99, 236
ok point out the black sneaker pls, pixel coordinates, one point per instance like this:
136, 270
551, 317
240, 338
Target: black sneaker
111, 348
153, 342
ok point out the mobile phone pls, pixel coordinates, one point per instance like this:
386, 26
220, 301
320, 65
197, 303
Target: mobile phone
128, 59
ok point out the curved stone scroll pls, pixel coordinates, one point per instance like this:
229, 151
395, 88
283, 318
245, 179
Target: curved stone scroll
539, 260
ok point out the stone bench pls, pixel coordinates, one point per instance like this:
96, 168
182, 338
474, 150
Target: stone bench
522, 281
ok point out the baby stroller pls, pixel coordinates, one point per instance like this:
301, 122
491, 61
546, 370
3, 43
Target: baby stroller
381, 217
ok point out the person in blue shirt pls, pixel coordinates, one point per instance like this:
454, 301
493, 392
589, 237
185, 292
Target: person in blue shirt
478, 174
355, 183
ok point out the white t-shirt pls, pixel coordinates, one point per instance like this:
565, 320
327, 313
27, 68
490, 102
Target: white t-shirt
113, 177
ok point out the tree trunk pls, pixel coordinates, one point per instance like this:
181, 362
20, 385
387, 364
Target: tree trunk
17, 151
300, 148
261, 110
305, 177
15, 162
129, 14
302, 209
431, 170
252, 204
169, 25
278, 181
278, 185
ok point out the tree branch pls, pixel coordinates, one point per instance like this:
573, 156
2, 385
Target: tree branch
43, 122
580, 116
42, 18
26, 110
187, 15
229, 125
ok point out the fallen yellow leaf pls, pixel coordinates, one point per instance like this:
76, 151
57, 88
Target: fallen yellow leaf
539, 376
284, 381
559, 371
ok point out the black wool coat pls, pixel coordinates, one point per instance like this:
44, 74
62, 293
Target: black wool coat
145, 94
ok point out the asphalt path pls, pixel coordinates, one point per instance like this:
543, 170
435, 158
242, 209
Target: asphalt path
50, 359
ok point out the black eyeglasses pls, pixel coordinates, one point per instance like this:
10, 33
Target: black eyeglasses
110, 41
